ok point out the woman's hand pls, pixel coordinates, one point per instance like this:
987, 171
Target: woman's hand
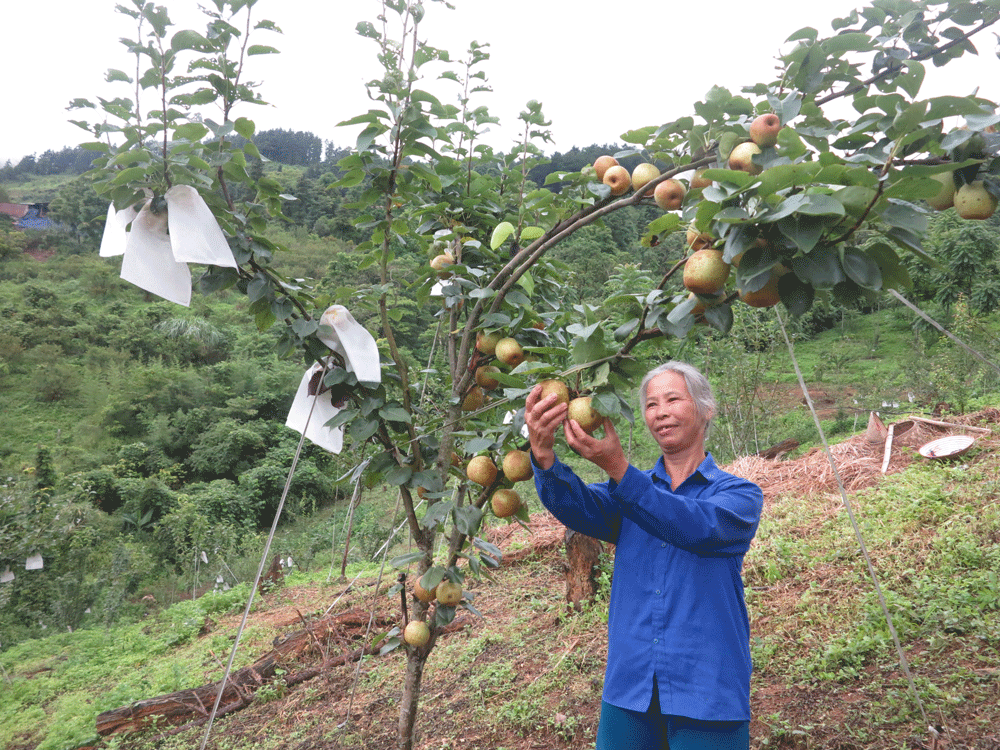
543, 416
606, 453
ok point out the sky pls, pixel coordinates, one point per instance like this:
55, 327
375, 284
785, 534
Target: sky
599, 70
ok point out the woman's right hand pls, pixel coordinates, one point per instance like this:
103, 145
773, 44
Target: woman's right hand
543, 416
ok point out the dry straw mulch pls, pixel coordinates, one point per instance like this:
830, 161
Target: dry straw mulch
859, 459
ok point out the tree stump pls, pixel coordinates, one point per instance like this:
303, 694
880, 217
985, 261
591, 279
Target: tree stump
582, 555
274, 577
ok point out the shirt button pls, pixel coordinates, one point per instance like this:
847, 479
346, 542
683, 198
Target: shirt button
656, 640
664, 544
657, 591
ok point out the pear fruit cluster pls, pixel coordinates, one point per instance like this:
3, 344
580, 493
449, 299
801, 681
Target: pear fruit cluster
668, 195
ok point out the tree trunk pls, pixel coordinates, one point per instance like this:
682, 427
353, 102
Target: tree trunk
582, 555
415, 661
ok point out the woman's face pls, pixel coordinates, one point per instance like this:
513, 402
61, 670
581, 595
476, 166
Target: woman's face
671, 414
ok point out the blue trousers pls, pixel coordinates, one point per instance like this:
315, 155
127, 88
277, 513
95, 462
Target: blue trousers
621, 729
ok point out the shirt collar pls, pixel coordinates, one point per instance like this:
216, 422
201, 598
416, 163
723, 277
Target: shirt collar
708, 469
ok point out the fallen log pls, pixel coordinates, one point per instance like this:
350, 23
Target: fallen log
192, 707
183, 704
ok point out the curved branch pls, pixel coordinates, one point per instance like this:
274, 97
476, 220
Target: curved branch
914, 58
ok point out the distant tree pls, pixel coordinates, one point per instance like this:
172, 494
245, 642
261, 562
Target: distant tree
296, 148
970, 256
78, 206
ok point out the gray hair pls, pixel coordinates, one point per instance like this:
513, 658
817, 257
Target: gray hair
697, 385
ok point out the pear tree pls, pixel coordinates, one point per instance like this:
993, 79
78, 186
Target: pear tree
801, 203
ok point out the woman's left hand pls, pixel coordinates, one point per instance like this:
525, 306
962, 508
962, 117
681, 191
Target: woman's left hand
606, 453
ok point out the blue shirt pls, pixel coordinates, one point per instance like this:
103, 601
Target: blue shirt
677, 610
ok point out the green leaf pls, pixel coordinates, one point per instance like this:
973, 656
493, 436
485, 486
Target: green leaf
905, 216
395, 414
501, 232
245, 127
785, 176
861, 269
667, 222
527, 283
262, 49
398, 475
188, 39
467, 519
530, 233
894, 273
434, 575
796, 296
403, 560
361, 429
804, 231
820, 268
854, 41
192, 131
117, 75
436, 515
720, 317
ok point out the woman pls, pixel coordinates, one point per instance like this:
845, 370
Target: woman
678, 633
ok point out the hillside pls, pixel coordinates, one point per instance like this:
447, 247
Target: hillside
528, 675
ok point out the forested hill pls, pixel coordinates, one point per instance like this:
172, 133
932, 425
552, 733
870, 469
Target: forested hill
290, 148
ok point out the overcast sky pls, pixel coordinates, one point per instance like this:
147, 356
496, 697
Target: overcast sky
598, 70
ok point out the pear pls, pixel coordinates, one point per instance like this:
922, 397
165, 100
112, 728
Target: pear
557, 387
697, 240
481, 470
441, 262
517, 466
423, 594
449, 593
643, 174
486, 343
699, 181
973, 201
505, 503
945, 197
602, 164
618, 179
669, 194
764, 130
484, 376
766, 296
509, 352
584, 414
474, 399
706, 272
416, 633
741, 158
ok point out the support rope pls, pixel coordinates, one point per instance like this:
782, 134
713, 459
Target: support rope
260, 572
854, 523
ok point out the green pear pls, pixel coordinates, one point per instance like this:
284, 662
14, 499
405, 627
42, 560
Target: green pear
581, 412
557, 387
449, 593
945, 197
741, 158
973, 201
416, 633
